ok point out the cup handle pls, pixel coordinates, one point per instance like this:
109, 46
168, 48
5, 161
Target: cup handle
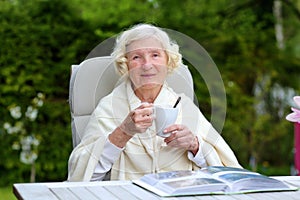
153, 112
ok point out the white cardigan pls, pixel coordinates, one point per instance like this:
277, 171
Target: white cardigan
145, 152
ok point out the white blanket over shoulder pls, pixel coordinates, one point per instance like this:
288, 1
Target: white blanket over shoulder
146, 152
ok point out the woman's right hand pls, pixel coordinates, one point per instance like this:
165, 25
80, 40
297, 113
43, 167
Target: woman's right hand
138, 120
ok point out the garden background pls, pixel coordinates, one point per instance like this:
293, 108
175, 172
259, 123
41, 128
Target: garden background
254, 43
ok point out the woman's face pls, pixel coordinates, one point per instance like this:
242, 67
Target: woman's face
147, 64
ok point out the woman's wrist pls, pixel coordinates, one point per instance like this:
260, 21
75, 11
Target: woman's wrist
194, 146
119, 138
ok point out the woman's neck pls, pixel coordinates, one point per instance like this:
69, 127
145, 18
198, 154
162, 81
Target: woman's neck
147, 95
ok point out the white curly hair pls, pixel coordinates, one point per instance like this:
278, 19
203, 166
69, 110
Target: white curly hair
139, 32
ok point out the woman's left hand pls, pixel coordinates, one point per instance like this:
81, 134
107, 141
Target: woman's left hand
182, 137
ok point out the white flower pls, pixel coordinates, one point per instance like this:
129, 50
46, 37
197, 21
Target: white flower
14, 129
40, 95
35, 142
6, 125
10, 130
31, 113
16, 146
17, 128
15, 112
26, 143
28, 157
38, 102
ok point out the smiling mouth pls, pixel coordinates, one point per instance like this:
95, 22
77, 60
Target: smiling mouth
148, 75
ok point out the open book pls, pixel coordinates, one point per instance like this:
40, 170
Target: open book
210, 180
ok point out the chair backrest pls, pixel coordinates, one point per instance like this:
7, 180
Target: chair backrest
96, 77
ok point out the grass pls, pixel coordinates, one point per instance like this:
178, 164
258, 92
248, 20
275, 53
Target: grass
7, 193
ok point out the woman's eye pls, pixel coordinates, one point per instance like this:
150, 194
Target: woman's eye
135, 57
155, 55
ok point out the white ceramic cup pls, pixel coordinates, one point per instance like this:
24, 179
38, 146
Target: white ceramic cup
165, 116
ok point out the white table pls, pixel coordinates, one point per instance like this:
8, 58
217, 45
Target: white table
127, 190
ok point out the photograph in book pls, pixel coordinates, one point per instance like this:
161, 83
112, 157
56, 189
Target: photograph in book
210, 180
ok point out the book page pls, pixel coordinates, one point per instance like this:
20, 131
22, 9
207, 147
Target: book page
168, 176
183, 182
245, 180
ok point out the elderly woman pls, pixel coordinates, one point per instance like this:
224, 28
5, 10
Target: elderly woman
121, 137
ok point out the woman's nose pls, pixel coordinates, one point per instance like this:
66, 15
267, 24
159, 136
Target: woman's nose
147, 64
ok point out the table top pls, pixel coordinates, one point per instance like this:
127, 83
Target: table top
128, 190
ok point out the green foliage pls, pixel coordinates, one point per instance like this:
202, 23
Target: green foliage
42, 39
36, 56
7, 194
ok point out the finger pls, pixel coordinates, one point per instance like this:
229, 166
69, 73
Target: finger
181, 138
144, 111
179, 143
172, 137
143, 119
147, 111
146, 105
175, 143
173, 128
171, 143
